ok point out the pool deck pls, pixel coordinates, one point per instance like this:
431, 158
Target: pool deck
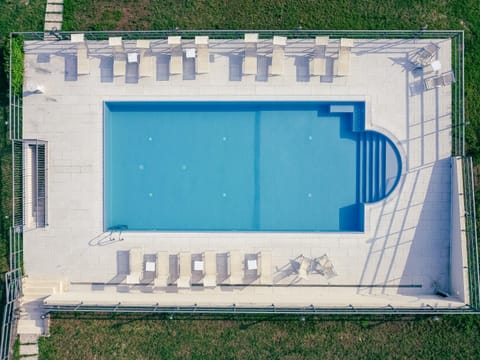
401, 258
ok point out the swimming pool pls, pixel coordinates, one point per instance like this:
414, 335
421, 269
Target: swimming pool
243, 166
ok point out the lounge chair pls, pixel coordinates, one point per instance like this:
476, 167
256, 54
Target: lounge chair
202, 61
317, 64
136, 266
83, 63
210, 278
185, 270
162, 269
119, 59
425, 55
146, 66
305, 267
250, 59
278, 56
236, 268
343, 65
324, 266
444, 79
265, 259
176, 54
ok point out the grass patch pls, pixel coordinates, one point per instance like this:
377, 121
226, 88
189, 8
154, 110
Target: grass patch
341, 337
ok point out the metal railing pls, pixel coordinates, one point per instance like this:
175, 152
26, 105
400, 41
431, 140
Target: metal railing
29, 183
13, 288
471, 233
17, 183
233, 309
34, 183
238, 34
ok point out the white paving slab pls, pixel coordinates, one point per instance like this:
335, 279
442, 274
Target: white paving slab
53, 17
402, 257
53, 25
54, 8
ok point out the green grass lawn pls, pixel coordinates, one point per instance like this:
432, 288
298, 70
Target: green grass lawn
333, 337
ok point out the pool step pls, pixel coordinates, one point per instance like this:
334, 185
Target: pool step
372, 152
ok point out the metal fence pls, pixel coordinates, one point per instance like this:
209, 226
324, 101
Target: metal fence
471, 233
238, 34
13, 277
233, 309
13, 288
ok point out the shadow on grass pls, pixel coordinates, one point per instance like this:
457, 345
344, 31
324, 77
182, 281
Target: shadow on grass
246, 320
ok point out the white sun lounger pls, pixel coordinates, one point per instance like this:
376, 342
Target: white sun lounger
83, 63
425, 55
343, 66
162, 269
236, 267
250, 59
119, 59
185, 269
265, 259
444, 79
116, 43
136, 266
119, 65
146, 67
210, 259
324, 266
176, 54
202, 61
317, 64
278, 55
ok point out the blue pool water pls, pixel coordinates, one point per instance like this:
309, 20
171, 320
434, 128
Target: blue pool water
242, 166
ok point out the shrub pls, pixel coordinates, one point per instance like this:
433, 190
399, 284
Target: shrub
17, 64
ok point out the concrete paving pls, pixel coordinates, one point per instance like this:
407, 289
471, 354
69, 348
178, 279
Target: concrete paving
403, 255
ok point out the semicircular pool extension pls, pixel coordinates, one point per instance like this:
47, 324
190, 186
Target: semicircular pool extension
243, 166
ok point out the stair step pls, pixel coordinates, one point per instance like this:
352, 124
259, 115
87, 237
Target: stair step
28, 338
372, 163
28, 327
29, 357
26, 299
31, 315
38, 281
54, 8
31, 349
53, 26
53, 17
38, 291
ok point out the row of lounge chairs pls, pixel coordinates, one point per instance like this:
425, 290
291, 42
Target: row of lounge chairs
206, 266
200, 52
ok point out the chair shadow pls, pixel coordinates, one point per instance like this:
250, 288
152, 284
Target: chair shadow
106, 69
235, 67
